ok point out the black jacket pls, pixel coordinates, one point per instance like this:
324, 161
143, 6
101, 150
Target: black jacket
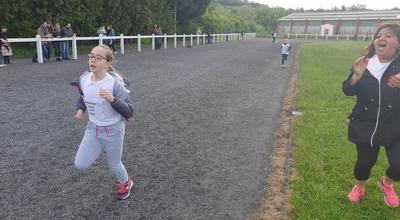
375, 119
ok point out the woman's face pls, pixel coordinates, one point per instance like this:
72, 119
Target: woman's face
97, 61
386, 44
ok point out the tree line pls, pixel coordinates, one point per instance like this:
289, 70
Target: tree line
129, 17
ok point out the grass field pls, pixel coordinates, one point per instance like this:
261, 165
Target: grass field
324, 158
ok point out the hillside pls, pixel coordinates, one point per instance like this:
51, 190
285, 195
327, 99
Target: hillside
222, 16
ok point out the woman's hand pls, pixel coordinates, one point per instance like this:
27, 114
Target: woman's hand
359, 66
106, 95
394, 81
79, 115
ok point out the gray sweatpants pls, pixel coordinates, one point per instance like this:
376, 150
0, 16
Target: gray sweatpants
99, 138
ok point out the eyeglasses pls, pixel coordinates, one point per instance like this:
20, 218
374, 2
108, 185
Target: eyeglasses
96, 58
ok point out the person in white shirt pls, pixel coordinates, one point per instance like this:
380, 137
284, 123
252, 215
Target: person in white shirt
285, 51
105, 97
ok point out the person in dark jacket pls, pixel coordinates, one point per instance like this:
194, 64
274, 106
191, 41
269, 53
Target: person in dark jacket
3, 39
157, 33
375, 119
110, 33
66, 32
57, 33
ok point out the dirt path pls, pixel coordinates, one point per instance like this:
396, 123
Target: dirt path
276, 203
199, 149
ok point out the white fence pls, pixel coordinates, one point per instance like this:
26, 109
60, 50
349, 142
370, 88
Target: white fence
332, 37
215, 38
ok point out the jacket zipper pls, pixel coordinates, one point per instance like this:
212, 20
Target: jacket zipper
378, 113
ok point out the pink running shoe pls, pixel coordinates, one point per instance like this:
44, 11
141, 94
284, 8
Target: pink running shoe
124, 189
356, 194
390, 195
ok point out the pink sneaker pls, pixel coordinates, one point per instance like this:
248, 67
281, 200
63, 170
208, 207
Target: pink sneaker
356, 194
390, 195
124, 189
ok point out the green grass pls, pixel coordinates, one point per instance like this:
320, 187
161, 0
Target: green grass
324, 158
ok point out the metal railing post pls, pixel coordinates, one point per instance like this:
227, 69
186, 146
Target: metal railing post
175, 40
74, 48
100, 39
122, 45
165, 41
39, 50
153, 43
139, 43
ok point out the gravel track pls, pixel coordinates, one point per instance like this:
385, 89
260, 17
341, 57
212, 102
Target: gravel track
205, 118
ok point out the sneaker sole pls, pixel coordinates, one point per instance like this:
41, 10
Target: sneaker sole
125, 197
129, 192
355, 201
380, 187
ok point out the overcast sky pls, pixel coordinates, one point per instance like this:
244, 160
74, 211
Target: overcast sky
328, 4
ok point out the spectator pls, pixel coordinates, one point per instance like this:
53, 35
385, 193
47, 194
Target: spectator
101, 31
6, 51
66, 32
110, 42
49, 43
57, 33
157, 32
209, 38
43, 32
198, 31
3, 38
274, 34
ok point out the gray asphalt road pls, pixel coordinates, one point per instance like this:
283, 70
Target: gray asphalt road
204, 128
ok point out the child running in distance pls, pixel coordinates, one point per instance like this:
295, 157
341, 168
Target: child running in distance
105, 98
285, 51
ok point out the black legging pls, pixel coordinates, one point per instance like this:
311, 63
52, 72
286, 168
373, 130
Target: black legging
284, 58
111, 44
367, 157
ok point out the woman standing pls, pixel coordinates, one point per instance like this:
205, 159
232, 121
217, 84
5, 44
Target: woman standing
110, 33
57, 33
375, 119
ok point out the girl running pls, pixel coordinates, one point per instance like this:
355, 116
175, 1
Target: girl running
105, 98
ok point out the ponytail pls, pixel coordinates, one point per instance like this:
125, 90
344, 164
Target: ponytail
114, 72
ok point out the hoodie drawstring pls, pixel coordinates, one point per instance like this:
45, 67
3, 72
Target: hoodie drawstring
105, 130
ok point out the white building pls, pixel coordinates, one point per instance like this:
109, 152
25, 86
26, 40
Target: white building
335, 23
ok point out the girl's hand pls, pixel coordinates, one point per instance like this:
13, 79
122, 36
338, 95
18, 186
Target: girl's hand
394, 81
106, 95
359, 66
79, 115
